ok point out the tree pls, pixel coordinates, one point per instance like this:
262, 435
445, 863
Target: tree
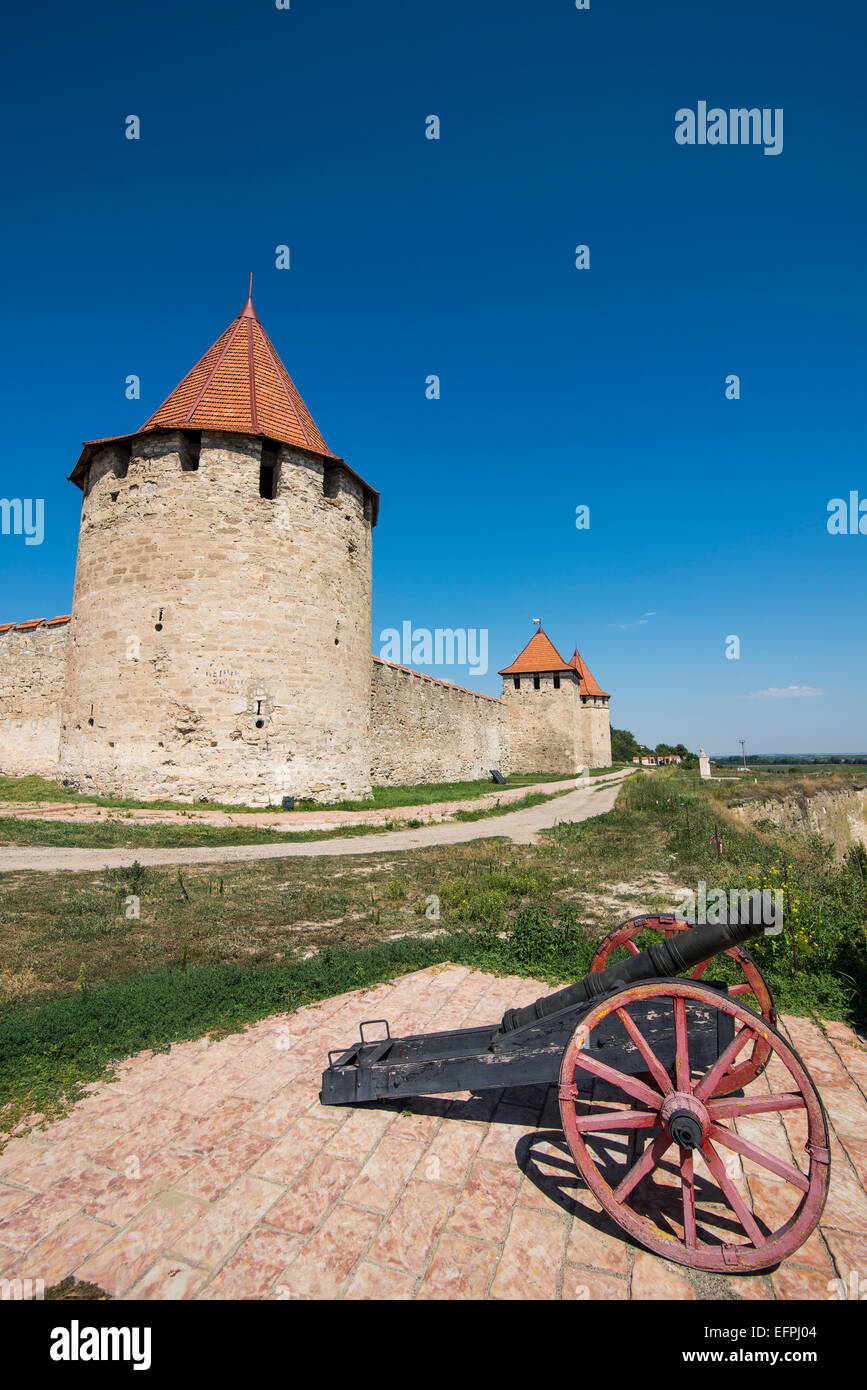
624, 746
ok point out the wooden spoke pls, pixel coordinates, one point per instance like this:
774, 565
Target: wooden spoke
708, 1082
687, 1187
630, 1084
731, 1107
657, 1070
681, 1063
733, 1141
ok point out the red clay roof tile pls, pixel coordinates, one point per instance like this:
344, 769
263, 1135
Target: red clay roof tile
239, 385
589, 684
540, 654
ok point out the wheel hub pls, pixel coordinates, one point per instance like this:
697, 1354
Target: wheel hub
687, 1120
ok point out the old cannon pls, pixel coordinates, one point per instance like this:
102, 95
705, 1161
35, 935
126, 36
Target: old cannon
682, 1106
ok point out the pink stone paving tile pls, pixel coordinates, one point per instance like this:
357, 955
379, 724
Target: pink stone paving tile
323, 1267
50, 1165
501, 1141
256, 1265
357, 1136
126, 1257
206, 1133
211, 1177
59, 1254
286, 1160
589, 1284
270, 1080
847, 1110
225, 1221
653, 1278
407, 1238
37, 1218
272, 1119
304, 1205
753, 1288
140, 1143
461, 1268
121, 1200
374, 1283
169, 1280
603, 1247
11, 1198
384, 1174
849, 1249
485, 1205
791, 1281
847, 1201
532, 1256
447, 1159
857, 1151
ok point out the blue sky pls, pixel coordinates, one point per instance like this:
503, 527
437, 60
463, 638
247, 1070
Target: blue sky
409, 257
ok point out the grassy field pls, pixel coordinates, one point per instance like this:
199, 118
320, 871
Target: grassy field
34, 789
85, 980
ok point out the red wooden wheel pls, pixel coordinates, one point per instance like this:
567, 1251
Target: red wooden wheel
753, 988
744, 1205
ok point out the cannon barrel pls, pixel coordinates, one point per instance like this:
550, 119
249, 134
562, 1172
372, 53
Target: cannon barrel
681, 952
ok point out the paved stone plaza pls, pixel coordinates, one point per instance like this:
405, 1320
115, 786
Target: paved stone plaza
212, 1171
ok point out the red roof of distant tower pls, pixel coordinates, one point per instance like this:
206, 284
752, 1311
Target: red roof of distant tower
589, 684
239, 385
540, 654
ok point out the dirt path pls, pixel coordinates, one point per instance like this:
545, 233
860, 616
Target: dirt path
521, 827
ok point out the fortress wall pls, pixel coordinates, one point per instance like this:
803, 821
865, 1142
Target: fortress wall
32, 672
597, 738
423, 730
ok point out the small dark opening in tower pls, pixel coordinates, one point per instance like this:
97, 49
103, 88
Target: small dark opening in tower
517, 682
158, 625
260, 723
190, 456
535, 682
331, 482
268, 473
556, 682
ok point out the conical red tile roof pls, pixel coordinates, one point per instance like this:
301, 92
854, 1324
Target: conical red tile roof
589, 684
239, 385
540, 654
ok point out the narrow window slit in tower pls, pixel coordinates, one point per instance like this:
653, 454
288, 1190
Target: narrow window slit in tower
535, 682
268, 473
556, 682
517, 681
158, 625
190, 456
331, 482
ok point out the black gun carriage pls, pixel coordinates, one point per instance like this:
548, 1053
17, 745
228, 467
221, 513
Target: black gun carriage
687, 1113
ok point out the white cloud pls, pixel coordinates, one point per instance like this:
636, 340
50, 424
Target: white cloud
788, 692
638, 621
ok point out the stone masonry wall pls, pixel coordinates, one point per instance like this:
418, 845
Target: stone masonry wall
32, 669
597, 732
423, 730
220, 641
544, 724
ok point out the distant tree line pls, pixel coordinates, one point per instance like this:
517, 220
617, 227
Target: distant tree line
793, 759
625, 747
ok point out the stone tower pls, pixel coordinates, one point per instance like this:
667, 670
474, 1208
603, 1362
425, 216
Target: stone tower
558, 715
220, 635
